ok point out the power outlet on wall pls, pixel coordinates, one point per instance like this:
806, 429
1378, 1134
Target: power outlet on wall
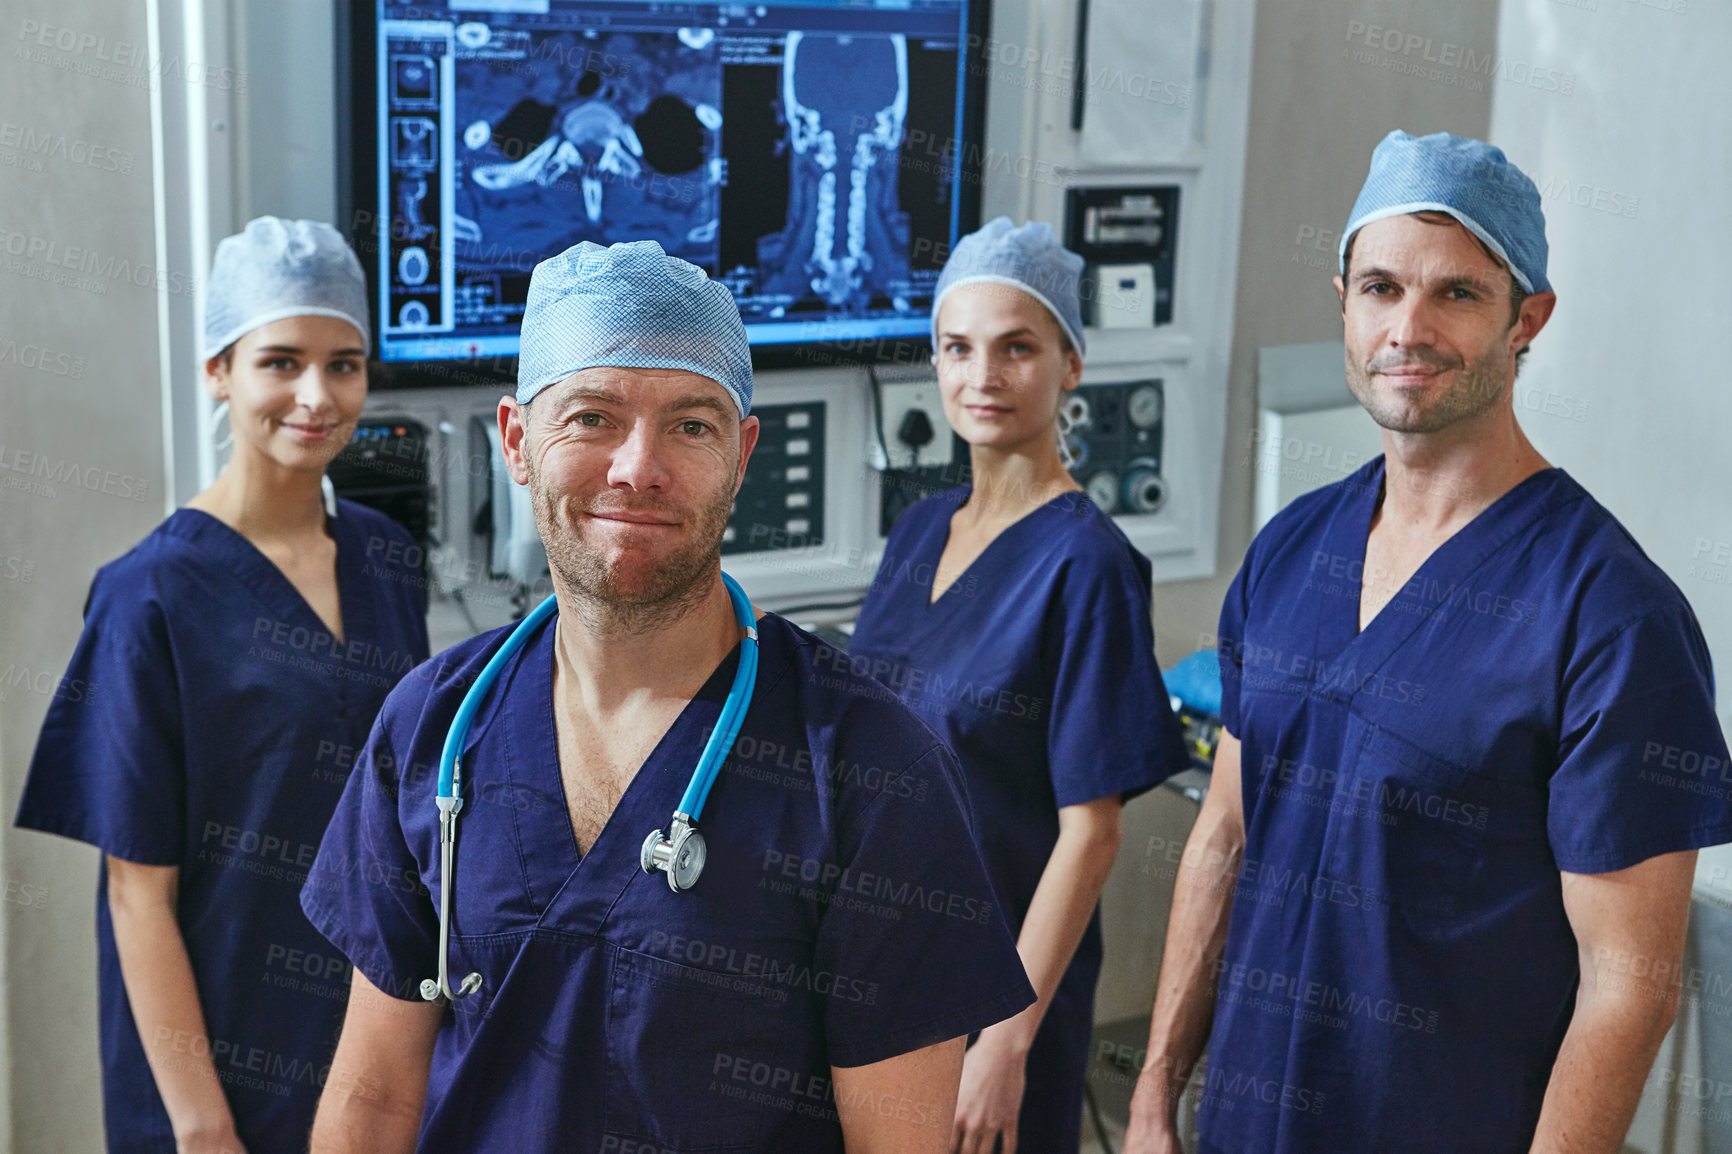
897, 401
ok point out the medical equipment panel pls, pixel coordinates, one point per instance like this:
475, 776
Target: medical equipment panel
781, 502
386, 466
1115, 441
802, 528
1139, 109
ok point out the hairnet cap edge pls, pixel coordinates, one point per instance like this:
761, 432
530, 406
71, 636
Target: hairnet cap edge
640, 283
287, 311
993, 278
525, 394
1461, 218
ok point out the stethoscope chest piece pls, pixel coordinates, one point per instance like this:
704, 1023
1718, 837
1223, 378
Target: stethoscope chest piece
681, 855
432, 992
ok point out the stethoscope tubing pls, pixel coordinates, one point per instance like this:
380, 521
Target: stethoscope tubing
449, 796
727, 729
449, 786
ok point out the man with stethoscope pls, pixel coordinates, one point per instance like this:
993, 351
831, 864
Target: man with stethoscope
792, 960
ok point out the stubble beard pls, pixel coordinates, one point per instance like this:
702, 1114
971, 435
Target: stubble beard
1478, 387
608, 599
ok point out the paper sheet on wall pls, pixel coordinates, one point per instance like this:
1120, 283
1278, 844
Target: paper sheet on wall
1143, 80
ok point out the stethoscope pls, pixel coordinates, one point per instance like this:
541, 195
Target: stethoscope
680, 853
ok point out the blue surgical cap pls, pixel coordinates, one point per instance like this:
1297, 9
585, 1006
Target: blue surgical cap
281, 268
1029, 258
630, 306
1468, 179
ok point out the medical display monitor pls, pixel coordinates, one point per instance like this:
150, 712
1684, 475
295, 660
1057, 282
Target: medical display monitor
813, 156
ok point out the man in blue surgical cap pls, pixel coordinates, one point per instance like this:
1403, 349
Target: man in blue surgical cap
1436, 898
813, 988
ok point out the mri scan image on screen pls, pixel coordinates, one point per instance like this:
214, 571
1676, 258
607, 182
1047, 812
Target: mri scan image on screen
626, 143
804, 155
844, 99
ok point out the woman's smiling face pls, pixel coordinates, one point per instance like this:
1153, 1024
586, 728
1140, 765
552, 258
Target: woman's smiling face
1003, 365
295, 388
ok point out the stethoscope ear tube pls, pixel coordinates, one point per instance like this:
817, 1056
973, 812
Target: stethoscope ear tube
449, 784
449, 797
727, 729
432, 990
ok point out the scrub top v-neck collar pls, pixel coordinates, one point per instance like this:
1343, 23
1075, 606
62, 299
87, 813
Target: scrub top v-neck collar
574, 891
272, 586
1448, 566
941, 538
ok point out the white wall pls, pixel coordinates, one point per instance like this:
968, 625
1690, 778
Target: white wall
1627, 388
285, 160
1631, 366
86, 88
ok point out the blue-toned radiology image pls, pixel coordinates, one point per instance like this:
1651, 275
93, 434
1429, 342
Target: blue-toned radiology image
805, 154
845, 98
570, 136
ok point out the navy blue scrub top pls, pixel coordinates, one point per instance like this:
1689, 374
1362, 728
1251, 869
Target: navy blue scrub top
1399, 971
1037, 666
209, 721
843, 916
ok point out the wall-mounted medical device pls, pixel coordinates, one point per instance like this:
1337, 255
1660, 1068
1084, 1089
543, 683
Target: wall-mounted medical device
801, 531
1115, 441
501, 515
1127, 236
781, 502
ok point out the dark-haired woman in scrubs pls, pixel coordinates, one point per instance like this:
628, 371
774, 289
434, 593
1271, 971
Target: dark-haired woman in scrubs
1014, 616
235, 659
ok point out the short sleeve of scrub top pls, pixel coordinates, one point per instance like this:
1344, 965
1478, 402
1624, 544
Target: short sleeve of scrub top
1642, 760
114, 724
1101, 643
366, 868
1229, 644
928, 947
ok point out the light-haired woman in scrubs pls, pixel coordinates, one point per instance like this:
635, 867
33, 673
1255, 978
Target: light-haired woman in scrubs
230, 666
1014, 616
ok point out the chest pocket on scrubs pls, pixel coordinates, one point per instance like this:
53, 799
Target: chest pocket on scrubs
700, 1061
1409, 828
